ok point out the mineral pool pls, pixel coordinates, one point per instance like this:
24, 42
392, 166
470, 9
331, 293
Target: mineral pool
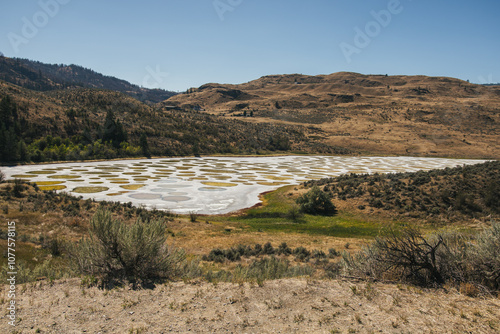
209, 185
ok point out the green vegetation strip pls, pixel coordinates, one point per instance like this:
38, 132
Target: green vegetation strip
274, 216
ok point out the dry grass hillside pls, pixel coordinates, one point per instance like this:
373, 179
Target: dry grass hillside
375, 114
78, 116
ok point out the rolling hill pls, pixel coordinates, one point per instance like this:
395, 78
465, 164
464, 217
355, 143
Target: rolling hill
372, 114
85, 123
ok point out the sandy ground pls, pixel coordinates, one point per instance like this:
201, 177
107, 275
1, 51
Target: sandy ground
281, 306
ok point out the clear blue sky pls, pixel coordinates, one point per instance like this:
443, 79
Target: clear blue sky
188, 40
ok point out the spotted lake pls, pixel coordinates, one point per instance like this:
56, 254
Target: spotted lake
210, 185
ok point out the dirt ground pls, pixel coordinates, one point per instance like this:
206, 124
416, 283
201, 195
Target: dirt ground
281, 306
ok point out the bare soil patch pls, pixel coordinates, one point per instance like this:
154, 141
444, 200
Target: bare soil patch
281, 306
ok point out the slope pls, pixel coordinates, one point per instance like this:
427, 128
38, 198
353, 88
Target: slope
43, 77
374, 114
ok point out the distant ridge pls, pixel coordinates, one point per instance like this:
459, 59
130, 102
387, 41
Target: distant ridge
39, 76
387, 114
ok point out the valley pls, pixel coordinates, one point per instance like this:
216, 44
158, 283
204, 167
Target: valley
275, 191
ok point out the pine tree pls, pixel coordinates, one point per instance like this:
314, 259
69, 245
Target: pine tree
143, 143
23, 151
113, 131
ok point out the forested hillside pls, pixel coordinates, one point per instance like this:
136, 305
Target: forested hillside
39, 76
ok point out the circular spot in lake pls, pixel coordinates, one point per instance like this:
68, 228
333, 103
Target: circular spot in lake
89, 190
48, 183
161, 190
222, 177
211, 189
219, 184
178, 193
65, 177
176, 198
174, 186
47, 188
277, 178
133, 186
42, 172
145, 196
170, 180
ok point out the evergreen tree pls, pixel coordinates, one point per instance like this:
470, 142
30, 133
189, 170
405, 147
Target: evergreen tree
11, 148
23, 151
196, 149
8, 112
143, 143
113, 131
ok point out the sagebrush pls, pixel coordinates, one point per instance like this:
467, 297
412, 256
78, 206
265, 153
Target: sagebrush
115, 251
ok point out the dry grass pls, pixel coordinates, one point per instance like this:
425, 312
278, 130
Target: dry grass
289, 305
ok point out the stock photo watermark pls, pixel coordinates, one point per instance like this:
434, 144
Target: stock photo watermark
154, 78
363, 37
485, 80
31, 26
223, 6
11, 273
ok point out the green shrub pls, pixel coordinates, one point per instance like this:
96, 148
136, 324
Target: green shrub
193, 216
284, 249
257, 250
317, 202
333, 253
215, 255
268, 249
115, 252
294, 213
18, 188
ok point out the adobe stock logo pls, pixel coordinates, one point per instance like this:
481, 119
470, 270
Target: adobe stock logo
224, 6
30, 28
155, 75
372, 29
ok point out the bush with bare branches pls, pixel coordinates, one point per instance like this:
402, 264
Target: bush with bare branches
406, 255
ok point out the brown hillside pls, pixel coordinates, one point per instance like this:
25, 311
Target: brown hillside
374, 114
71, 112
